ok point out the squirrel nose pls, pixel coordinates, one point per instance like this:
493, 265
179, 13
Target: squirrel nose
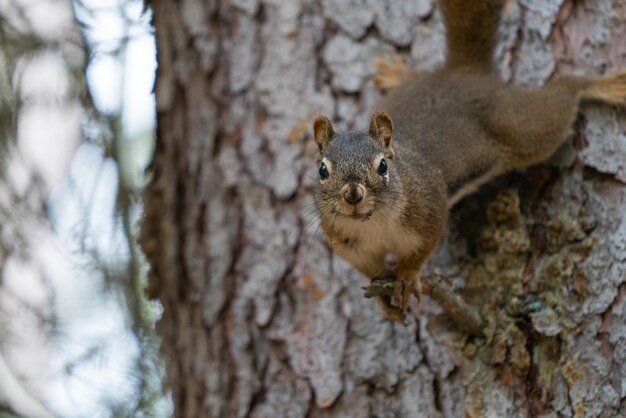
352, 193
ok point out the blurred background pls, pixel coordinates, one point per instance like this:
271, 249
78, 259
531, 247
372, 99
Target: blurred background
76, 133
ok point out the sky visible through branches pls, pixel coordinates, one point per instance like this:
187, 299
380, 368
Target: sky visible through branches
74, 289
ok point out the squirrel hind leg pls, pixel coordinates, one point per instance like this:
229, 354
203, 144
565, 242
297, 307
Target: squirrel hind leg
610, 89
391, 73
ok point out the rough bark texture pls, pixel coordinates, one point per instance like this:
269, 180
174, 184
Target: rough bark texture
261, 320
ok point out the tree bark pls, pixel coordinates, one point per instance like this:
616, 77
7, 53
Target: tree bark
260, 319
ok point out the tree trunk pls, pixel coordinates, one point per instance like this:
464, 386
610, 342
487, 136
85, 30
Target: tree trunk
260, 319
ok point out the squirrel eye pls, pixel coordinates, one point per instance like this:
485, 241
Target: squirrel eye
323, 172
382, 167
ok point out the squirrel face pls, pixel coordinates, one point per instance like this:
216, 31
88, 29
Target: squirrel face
356, 171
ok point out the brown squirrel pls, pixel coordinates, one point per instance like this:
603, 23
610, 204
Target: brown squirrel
388, 189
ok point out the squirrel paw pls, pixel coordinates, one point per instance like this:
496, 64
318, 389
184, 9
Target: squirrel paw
417, 288
610, 89
391, 73
393, 292
384, 289
402, 291
390, 311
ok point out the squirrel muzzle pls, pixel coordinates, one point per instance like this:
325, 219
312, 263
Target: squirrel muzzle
353, 193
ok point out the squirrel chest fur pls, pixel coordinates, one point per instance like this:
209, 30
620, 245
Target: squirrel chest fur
365, 244
388, 189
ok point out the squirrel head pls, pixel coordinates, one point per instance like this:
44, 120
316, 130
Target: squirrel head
357, 177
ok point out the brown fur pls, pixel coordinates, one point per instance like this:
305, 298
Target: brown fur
452, 130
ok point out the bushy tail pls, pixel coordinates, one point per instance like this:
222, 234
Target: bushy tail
471, 31
610, 89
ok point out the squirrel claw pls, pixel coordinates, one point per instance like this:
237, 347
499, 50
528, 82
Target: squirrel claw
402, 290
392, 72
390, 311
417, 288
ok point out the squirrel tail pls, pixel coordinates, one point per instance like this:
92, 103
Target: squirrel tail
471, 29
610, 89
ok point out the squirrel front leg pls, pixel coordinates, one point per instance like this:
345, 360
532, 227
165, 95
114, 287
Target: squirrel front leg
408, 278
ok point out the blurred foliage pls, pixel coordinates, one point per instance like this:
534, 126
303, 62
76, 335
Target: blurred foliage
15, 43
124, 276
131, 278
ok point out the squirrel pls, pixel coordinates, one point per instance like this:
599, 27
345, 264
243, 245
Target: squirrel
438, 136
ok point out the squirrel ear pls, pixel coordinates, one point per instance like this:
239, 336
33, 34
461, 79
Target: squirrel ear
381, 128
323, 131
